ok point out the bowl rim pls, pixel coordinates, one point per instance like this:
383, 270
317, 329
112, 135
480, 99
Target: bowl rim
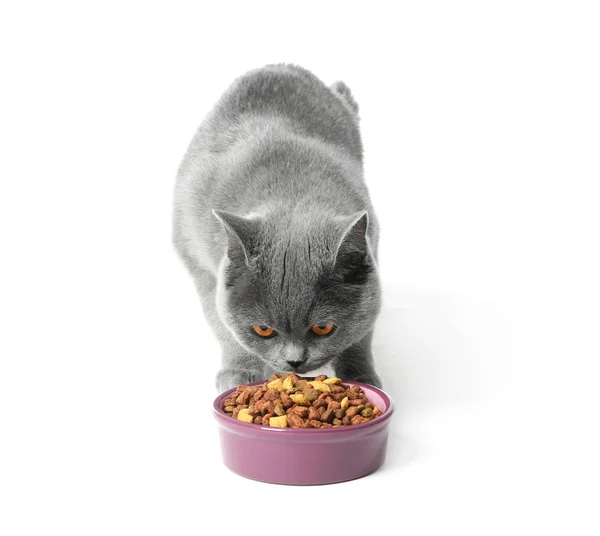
385, 415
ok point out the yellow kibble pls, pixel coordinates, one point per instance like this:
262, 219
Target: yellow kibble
276, 384
243, 415
278, 422
288, 385
332, 381
320, 386
344, 402
300, 399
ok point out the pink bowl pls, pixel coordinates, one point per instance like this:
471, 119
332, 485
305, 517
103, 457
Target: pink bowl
305, 456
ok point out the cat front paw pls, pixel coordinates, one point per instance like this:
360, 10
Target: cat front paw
368, 378
371, 380
230, 378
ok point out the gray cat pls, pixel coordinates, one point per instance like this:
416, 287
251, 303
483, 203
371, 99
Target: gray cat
273, 220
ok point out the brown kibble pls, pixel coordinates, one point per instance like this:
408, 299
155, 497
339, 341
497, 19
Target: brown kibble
244, 398
337, 389
346, 421
322, 409
265, 419
356, 402
327, 416
351, 411
338, 397
339, 413
301, 410
258, 419
333, 405
269, 407
313, 423
311, 394
320, 378
319, 403
271, 394
293, 376
337, 422
313, 413
286, 401
295, 421
357, 419
300, 384
326, 425
252, 410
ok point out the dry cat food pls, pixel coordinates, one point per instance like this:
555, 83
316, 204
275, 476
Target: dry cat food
290, 401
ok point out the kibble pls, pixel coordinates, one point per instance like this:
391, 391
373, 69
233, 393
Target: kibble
289, 401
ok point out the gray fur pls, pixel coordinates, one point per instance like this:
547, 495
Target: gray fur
273, 220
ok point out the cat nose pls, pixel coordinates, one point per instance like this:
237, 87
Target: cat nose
294, 355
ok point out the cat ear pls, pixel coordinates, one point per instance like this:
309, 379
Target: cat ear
241, 234
353, 261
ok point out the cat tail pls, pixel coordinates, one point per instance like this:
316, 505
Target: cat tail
342, 91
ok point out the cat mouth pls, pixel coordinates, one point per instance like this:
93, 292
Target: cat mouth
299, 369
303, 367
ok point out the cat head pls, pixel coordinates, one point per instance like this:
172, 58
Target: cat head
297, 292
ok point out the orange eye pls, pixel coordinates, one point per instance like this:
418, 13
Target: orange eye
323, 329
263, 331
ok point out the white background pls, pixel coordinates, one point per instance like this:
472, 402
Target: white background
481, 130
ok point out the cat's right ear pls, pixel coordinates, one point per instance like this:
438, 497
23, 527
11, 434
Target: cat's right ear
241, 235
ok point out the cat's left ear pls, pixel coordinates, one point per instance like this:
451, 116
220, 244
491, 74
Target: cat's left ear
353, 258
241, 235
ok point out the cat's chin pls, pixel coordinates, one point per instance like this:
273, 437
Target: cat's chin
299, 370
310, 370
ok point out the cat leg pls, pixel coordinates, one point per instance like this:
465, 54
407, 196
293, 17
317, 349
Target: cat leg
356, 363
239, 366
240, 369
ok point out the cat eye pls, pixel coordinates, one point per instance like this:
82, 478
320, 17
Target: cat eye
323, 328
264, 331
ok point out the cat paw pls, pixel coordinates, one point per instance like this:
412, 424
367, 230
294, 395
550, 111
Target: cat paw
228, 379
370, 379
